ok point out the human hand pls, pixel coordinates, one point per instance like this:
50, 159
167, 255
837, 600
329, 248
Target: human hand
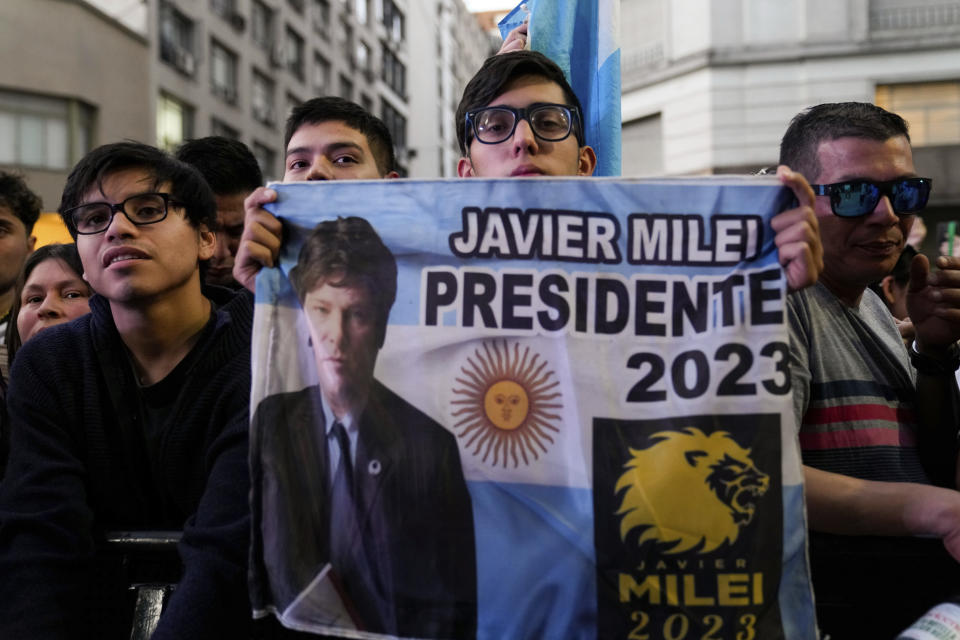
260, 242
516, 40
933, 303
798, 233
907, 331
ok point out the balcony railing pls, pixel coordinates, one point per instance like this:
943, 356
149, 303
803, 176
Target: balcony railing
915, 17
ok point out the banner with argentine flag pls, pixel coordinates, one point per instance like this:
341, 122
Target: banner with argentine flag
527, 408
583, 38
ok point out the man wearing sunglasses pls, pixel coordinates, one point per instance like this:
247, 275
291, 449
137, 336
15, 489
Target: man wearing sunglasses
133, 417
878, 425
519, 117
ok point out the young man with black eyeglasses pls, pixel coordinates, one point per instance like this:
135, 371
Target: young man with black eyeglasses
519, 117
133, 417
878, 422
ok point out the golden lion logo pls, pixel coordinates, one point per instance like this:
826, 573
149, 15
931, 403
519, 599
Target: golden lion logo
689, 488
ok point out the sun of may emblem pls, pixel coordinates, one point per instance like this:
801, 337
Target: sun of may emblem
506, 404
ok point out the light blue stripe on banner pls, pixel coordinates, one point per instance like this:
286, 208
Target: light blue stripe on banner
796, 603
563, 603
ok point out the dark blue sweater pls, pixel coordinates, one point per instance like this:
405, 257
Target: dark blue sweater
79, 466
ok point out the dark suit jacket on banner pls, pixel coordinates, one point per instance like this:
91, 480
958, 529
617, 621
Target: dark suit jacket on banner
416, 518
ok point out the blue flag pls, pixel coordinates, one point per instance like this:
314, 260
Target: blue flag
583, 38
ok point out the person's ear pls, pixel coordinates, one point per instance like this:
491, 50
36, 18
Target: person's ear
392, 174
886, 286
31, 243
588, 161
465, 168
207, 243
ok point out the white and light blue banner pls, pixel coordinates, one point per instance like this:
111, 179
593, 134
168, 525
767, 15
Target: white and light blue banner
583, 38
601, 362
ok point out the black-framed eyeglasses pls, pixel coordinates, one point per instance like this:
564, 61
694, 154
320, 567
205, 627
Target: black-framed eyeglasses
140, 209
549, 122
856, 198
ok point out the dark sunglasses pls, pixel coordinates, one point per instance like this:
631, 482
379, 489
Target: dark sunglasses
857, 198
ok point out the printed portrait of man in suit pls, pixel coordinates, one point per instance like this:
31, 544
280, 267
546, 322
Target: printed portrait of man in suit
356, 492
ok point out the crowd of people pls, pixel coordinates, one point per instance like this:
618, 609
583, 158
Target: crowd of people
133, 413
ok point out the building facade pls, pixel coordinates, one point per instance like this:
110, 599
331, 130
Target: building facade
163, 71
237, 67
447, 47
72, 77
709, 86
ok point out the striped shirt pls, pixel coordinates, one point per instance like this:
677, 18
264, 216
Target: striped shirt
854, 390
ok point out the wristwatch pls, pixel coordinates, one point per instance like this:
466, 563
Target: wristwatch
945, 365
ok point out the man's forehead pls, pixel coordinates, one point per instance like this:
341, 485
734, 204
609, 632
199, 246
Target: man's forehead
851, 157
6, 213
529, 89
329, 133
132, 180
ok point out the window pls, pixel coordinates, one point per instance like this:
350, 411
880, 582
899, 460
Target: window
321, 17
363, 57
294, 56
267, 160
37, 131
262, 25
394, 72
321, 75
367, 103
297, 5
262, 99
174, 122
224, 8
176, 40
346, 87
360, 7
346, 41
932, 110
393, 20
397, 125
643, 146
220, 128
223, 72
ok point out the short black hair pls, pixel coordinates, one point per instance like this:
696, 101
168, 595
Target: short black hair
345, 252
830, 121
901, 270
17, 196
499, 71
331, 108
226, 164
66, 253
187, 186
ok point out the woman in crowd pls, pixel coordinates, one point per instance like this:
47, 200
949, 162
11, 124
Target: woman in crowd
52, 290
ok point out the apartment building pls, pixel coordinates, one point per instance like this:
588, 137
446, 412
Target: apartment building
72, 77
237, 67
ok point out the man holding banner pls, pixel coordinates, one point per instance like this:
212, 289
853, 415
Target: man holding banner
326, 138
519, 117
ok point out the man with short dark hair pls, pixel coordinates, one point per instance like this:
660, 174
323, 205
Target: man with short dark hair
325, 139
133, 417
388, 503
519, 117
232, 172
878, 424
19, 210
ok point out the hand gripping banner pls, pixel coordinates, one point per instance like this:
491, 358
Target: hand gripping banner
528, 408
